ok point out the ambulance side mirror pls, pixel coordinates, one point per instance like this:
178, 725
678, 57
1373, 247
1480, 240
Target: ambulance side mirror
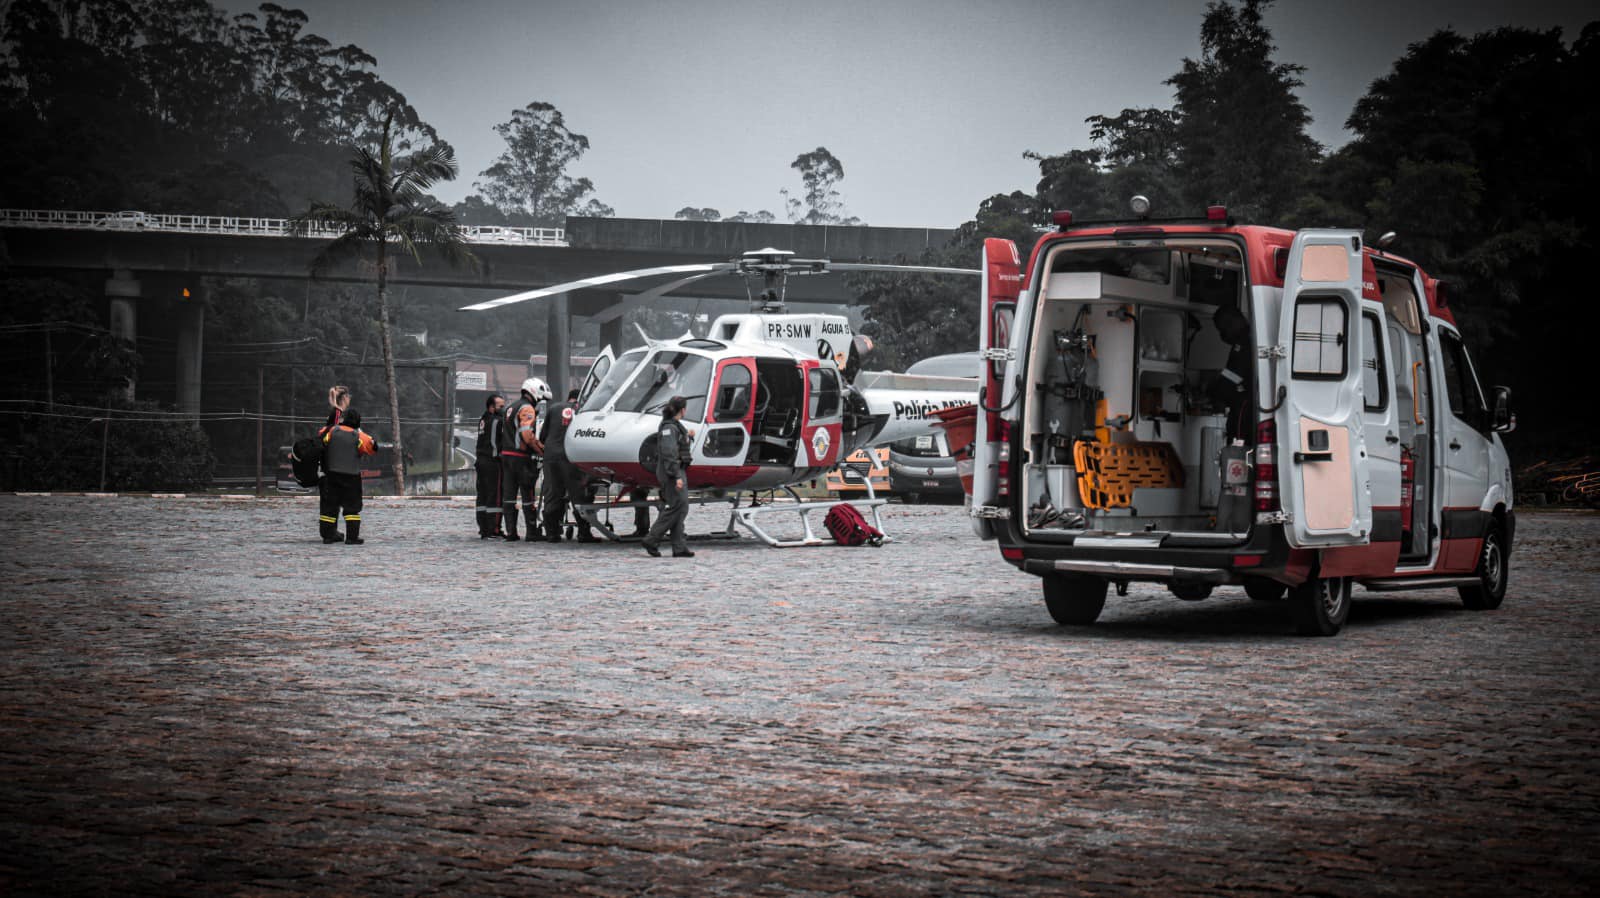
1504, 421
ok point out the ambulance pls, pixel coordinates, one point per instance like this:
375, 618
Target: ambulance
1200, 404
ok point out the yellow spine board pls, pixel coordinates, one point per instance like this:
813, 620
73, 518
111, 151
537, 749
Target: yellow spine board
1108, 473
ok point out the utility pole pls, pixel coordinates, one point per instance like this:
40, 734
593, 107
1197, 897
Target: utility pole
261, 415
445, 444
49, 371
105, 438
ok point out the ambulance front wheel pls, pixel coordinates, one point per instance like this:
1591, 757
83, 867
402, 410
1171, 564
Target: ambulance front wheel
1493, 569
1074, 600
1321, 605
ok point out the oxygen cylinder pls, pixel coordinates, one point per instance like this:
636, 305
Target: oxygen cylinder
1233, 511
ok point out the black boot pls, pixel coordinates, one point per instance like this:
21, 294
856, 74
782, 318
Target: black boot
510, 518
483, 525
352, 535
530, 517
330, 531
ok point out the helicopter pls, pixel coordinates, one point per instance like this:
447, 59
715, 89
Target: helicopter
776, 398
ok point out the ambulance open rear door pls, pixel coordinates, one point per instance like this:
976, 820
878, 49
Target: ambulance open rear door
1002, 281
1323, 455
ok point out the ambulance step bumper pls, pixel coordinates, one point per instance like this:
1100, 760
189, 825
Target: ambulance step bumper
1126, 570
1393, 584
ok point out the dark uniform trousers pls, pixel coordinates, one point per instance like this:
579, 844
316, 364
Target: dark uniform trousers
488, 496
563, 483
341, 491
329, 528
519, 474
674, 510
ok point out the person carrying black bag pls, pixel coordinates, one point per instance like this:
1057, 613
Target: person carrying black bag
339, 400
672, 466
342, 448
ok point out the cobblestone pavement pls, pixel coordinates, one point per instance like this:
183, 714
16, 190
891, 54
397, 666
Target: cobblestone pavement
196, 697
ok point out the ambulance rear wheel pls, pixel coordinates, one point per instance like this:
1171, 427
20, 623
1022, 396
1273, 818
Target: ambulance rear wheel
1264, 590
1190, 592
1074, 601
1321, 605
1494, 567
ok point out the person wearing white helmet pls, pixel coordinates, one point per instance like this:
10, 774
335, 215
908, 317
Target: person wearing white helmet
520, 450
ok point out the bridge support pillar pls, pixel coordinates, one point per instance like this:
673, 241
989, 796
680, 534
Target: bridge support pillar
611, 335
123, 289
558, 349
191, 339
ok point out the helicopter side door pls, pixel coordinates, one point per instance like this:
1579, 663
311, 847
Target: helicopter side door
821, 417
731, 413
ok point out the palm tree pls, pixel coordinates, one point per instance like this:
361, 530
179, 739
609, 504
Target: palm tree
391, 213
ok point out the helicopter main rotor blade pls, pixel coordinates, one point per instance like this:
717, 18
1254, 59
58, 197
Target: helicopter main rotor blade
616, 310
601, 280
925, 269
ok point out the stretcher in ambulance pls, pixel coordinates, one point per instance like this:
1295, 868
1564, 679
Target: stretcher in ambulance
1201, 405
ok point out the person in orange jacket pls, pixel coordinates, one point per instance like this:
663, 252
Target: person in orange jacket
520, 453
342, 446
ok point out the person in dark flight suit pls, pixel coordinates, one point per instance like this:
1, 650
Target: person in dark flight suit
563, 481
486, 462
672, 466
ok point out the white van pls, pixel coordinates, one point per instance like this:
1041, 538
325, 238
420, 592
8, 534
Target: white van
1202, 404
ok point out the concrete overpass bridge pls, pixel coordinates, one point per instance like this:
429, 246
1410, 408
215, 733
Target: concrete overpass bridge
150, 260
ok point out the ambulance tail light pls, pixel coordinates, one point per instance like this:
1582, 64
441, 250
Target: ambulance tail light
1003, 469
1267, 466
1062, 218
1217, 213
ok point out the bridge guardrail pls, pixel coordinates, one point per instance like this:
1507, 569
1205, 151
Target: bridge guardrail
241, 226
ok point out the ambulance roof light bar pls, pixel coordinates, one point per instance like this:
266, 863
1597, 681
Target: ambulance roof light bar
1217, 215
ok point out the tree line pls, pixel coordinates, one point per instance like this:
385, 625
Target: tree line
1473, 149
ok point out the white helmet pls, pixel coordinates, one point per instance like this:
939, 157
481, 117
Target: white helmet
536, 388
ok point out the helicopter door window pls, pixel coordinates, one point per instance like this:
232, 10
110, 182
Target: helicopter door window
733, 393
596, 374
663, 376
824, 384
614, 378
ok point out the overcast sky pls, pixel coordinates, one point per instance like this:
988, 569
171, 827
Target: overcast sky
929, 105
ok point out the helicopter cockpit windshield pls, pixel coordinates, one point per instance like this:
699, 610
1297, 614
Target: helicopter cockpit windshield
619, 373
666, 374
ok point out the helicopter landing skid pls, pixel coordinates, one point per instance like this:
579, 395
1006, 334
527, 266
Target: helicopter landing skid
748, 517
592, 512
